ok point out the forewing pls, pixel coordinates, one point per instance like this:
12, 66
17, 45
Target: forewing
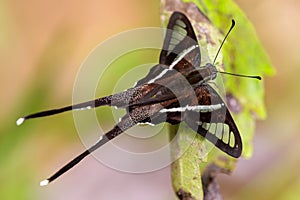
180, 50
180, 37
215, 124
154, 72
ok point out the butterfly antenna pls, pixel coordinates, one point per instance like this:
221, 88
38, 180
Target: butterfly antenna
231, 27
240, 75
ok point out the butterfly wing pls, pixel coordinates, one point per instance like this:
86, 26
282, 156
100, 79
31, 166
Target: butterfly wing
180, 49
215, 123
180, 36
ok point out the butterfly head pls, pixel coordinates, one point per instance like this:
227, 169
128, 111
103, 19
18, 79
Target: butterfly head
212, 71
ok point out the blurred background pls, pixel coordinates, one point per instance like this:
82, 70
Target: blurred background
43, 43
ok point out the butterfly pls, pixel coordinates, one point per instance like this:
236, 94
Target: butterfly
175, 90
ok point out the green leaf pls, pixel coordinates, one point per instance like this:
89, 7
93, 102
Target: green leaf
186, 172
242, 53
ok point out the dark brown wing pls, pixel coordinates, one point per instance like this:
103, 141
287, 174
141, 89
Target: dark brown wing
180, 49
215, 123
180, 36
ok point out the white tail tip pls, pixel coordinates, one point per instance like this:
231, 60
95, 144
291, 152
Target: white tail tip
44, 182
20, 121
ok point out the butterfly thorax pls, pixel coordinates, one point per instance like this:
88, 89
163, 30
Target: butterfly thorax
202, 74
